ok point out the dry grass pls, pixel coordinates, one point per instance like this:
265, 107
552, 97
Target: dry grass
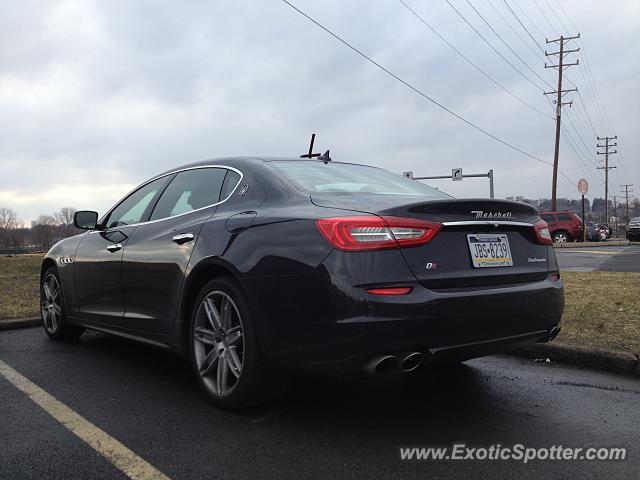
602, 308
19, 290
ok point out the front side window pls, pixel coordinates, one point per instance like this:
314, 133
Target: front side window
317, 177
132, 209
190, 190
564, 217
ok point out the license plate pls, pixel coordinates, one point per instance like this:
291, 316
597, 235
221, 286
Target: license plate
490, 250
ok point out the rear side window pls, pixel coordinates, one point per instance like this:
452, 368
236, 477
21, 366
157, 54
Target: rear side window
548, 217
564, 217
315, 176
190, 190
229, 184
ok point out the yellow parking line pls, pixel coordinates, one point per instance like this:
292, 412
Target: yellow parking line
120, 456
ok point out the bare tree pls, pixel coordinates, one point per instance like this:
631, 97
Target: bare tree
64, 219
43, 233
8, 218
8, 223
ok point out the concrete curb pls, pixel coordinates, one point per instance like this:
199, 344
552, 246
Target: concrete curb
612, 243
15, 323
589, 357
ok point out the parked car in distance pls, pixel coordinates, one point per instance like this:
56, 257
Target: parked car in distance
606, 231
564, 226
633, 230
593, 232
256, 268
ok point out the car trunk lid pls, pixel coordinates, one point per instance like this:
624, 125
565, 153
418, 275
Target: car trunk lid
446, 262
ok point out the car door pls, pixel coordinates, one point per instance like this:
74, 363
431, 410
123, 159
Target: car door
98, 260
158, 252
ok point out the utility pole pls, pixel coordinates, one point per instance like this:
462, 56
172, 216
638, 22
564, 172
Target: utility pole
606, 169
626, 194
559, 103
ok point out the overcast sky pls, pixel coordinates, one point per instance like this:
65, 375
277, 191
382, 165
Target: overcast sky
96, 97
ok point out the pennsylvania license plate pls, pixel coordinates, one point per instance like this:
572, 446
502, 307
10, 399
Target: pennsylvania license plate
490, 250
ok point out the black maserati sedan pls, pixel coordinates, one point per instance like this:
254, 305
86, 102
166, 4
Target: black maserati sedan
255, 268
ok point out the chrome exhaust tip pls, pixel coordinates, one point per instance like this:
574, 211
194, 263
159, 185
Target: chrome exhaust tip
380, 364
409, 361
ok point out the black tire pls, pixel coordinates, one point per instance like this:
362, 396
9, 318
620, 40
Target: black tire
256, 384
561, 236
53, 309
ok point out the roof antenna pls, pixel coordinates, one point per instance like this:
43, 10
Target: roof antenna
325, 157
310, 154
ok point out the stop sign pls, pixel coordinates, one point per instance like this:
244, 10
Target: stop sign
583, 186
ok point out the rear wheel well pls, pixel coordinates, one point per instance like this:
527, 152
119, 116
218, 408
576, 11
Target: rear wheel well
197, 280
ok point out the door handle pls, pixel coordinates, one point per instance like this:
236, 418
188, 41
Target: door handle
115, 247
182, 238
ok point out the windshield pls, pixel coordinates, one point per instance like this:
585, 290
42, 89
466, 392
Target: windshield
317, 177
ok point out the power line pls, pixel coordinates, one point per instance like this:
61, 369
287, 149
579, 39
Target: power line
562, 26
571, 143
574, 126
585, 163
595, 95
573, 147
522, 25
595, 86
494, 48
593, 129
579, 135
528, 18
450, 45
507, 45
586, 61
589, 81
515, 32
553, 28
415, 89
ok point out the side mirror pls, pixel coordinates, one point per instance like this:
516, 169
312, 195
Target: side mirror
86, 219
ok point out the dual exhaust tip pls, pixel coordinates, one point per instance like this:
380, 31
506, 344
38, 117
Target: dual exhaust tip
388, 363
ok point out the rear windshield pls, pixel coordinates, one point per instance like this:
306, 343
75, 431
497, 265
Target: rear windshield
317, 177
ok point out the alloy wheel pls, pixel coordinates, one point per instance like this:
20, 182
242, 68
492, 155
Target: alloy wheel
51, 305
560, 238
218, 342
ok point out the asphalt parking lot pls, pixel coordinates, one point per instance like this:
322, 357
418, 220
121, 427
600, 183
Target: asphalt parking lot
604, 258
324, 428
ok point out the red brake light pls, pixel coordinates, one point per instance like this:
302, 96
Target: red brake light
541, 229
389, 291
376, 233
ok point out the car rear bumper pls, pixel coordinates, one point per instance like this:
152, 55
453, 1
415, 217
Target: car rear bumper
633, 234
443, 326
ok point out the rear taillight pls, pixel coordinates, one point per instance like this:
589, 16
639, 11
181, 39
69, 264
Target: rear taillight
376, 233
541, 229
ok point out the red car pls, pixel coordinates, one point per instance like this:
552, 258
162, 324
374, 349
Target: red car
564, 226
